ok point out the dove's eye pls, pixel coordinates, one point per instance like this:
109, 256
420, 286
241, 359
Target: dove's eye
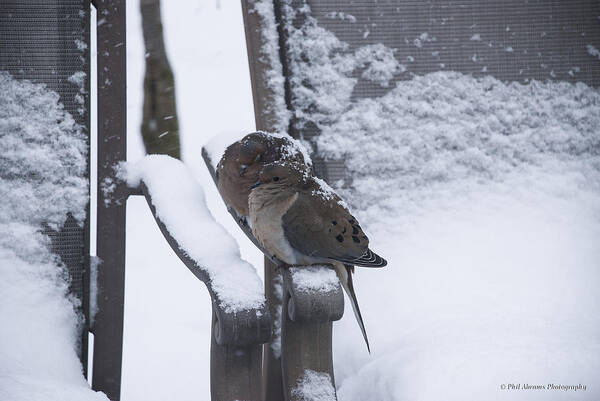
275, 179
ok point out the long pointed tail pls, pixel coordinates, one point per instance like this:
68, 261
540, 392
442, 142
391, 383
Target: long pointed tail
344, 273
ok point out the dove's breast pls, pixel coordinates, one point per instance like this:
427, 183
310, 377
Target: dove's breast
266, 212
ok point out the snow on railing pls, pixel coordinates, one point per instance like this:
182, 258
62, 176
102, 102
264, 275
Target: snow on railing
314, 386
179, 203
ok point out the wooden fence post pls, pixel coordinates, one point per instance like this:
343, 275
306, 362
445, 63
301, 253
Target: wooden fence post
306, 333
112, 148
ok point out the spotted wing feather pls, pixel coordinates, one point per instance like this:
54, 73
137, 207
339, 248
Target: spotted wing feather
324, 228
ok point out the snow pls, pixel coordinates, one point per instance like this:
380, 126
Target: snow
42, 177
318, 69
326, 192
271, 56
341, 16
593, 51
315, 279
485, 199
78, 78
81, 45
423, 38
276, 339
378, 62
437, 129
38, 334
322, 66
485, 289
43, 156
95, 262
293, 147
314, 386
108, 186
180, 205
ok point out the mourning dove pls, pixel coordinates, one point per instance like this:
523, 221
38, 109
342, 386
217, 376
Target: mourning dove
300, 220
242, 161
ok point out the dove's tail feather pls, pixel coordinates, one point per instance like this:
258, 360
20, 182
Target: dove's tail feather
344, 273
368, 259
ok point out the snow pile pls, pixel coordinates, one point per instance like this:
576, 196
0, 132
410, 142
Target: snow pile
38, 333
314, 386
322, 68
377, 63
315, 279
42, 168
42, 161
180, 205
446, 127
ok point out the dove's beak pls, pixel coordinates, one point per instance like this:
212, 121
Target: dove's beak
257, 183
243, 169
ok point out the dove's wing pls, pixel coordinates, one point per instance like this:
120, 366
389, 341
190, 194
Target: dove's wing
321, 227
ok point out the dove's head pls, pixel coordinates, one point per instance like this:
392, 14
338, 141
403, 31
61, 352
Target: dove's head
283, 175
252, 148
243, 161
259, 148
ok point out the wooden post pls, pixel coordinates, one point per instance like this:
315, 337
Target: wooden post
306, 333
265, 118
307, 344
108, 324
272, 375
234, 370
85, 301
